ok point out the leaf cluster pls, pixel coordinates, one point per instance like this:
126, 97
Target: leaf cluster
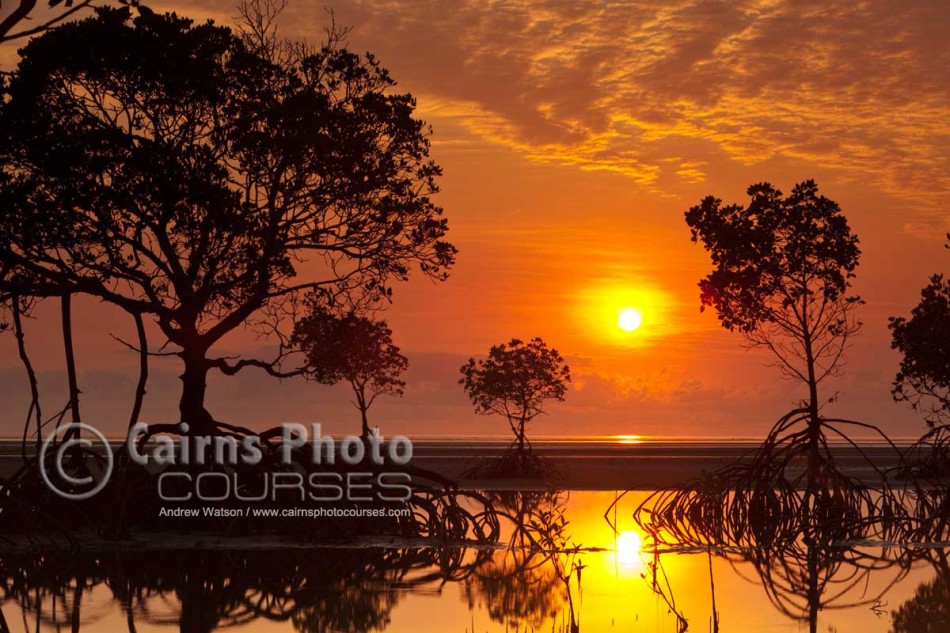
174, 169
782, 272
516, 379
924, 343
351, 348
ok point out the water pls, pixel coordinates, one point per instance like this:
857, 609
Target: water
542, 576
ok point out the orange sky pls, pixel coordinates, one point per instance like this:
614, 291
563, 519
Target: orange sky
573, 137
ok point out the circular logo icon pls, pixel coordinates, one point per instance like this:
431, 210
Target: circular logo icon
62, 454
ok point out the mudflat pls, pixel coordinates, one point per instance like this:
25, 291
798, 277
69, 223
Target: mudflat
594, 464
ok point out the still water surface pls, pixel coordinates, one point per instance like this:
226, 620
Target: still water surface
603, 577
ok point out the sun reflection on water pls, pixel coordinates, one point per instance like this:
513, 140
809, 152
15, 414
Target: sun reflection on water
628, 549
628, 439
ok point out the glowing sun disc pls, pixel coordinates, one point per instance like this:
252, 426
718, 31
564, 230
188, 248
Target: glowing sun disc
628, 548
629, 320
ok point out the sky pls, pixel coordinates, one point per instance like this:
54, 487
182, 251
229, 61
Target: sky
573, 137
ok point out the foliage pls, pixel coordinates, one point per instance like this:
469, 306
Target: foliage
312, 589
528, 582
354, 349
783, 269
21, 13
928, 611
215, 197
515, 380
515, 594
924, 343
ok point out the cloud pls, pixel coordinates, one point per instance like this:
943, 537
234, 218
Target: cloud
858, 89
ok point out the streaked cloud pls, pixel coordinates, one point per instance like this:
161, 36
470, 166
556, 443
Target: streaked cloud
860, 89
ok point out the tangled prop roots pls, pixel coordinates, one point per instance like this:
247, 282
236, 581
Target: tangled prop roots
811, 531
788, 489
131, 502
516, 462
926, 473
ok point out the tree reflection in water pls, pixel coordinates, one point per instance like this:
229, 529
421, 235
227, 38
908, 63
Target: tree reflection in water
801, 578
813, 534
929, 610
529, 581
319, 590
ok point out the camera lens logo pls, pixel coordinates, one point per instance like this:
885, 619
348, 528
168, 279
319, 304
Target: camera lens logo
68, 486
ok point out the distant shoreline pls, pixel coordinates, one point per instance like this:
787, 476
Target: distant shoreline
605, 440
590, 465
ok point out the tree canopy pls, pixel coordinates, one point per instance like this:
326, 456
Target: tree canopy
354, 349
782, 273
183, 172
515, 380
924, 343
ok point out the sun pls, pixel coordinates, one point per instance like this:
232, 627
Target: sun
624, 314
630, 319
628, 548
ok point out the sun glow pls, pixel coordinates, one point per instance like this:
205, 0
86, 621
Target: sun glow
630, 319
630, 314
628, 548
628, 439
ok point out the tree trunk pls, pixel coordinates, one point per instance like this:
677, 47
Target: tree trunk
712, 590
359, 391
814, 421
76, 619
67, 318
30, 374
365, 421
195, 616
814, 591
194, 383
143, 369
522, 455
